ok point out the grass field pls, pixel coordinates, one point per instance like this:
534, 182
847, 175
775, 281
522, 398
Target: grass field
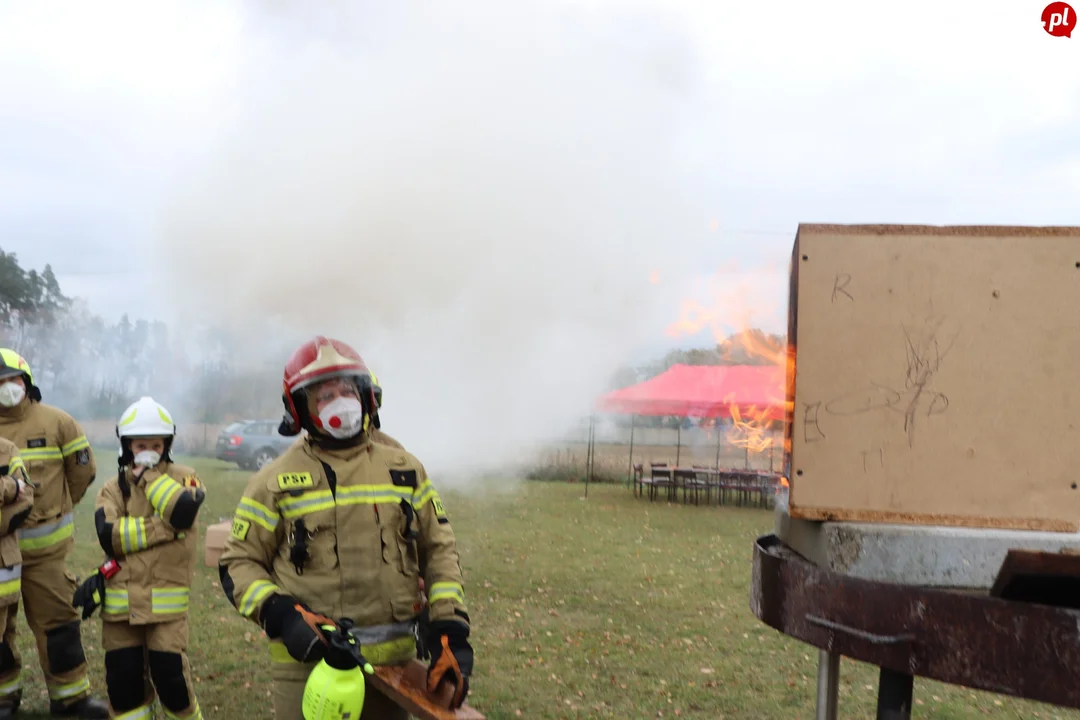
606, 607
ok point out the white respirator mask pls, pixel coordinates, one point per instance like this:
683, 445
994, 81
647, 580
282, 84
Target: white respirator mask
147, 458
11, 394
343, 418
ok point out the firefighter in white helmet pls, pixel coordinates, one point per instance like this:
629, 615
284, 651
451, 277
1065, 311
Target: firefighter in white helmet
145, 519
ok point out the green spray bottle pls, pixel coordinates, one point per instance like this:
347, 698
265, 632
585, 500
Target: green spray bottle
335, 688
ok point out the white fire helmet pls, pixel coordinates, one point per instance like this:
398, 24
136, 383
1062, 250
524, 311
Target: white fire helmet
145, 418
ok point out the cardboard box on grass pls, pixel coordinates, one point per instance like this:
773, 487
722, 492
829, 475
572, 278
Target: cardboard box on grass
216, 535
936, 375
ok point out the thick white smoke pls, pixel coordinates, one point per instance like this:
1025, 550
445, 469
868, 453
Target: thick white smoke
471, 194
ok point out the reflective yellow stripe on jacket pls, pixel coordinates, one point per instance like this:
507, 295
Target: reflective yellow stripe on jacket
74, 446
10, 580
41, 453
51, 452
424, 494
160, 492
316, 500
132, 534
16, 463
256, 593
116, 602
390, 652
48, 534
447, 591
163, 601
257, 513
169, 601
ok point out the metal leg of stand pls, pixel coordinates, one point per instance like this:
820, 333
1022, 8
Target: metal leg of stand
894, 695
828, 684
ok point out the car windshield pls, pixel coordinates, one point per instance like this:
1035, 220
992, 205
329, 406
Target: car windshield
233, 428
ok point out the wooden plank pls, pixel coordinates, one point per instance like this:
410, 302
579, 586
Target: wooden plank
885, 517
406, 685
932, 382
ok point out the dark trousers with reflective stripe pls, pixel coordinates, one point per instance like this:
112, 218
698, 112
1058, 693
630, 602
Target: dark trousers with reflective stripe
47, 589
158, 665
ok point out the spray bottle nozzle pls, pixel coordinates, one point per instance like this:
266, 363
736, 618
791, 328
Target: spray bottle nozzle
343, 651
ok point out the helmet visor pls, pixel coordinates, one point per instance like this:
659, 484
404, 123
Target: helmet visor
362, 379
10, 372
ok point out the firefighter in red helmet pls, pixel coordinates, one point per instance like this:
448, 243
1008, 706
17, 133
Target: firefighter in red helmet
338, 527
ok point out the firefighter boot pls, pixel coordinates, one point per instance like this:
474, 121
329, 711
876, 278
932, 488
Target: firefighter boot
86, 707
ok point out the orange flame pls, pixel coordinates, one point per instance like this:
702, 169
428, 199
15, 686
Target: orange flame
731, 313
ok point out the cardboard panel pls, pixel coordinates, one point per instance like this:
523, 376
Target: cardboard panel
216, 537
937, 375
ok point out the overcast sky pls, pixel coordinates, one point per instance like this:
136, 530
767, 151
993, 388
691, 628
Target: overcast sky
953, 111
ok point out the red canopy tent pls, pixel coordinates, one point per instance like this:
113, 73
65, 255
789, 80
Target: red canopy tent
709, 391
703, 391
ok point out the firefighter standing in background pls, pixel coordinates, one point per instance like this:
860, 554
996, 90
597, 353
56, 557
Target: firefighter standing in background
61, 466
17, 500
341, 527
144, 518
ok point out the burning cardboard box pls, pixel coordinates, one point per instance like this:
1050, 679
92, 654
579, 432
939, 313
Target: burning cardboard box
935, 376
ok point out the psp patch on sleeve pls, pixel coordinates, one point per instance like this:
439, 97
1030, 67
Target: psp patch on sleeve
440, 511
191, 481
294, 481
82, 457
240, 529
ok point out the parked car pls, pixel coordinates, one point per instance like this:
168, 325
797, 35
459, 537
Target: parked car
251, 444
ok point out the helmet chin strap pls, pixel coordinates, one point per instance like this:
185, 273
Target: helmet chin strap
128, 457
327, 442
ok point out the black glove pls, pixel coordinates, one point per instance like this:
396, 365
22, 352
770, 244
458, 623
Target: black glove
300, 629
90, 595
451, 658
183, 514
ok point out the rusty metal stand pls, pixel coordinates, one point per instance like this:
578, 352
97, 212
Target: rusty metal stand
828, 685
1021, 649
894, 695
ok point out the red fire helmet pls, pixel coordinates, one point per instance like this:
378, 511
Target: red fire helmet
319, 359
